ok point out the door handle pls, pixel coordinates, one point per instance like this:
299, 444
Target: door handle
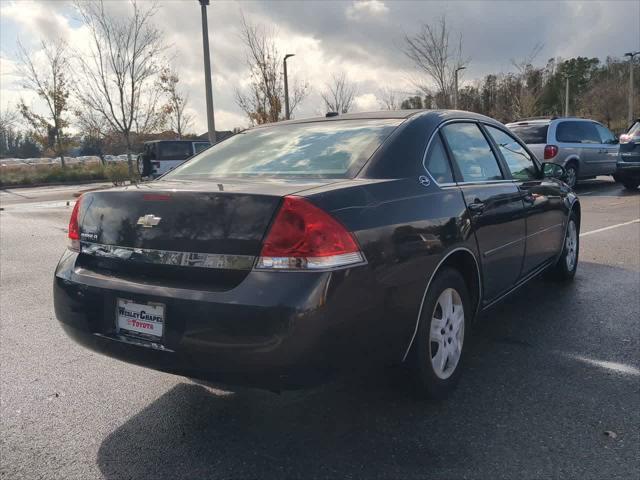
477, 207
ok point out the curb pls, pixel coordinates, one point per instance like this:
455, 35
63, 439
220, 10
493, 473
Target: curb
57, 184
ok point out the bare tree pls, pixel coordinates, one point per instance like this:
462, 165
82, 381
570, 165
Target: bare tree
8, 118
339, 95
49, 81
389, 99
179, 119
118, 78
433, 54
263, 100
527, 90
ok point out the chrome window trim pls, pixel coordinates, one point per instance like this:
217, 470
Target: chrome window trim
424, 295
169, 257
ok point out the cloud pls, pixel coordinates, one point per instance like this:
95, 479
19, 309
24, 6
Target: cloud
366, 8
362, 39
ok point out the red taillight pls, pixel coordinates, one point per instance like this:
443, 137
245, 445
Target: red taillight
303, 236
550, 151
74, 227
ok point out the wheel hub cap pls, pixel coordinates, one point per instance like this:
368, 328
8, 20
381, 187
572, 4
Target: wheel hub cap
447, 333
571, 245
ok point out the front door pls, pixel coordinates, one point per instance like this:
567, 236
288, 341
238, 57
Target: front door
544, 209
494, 205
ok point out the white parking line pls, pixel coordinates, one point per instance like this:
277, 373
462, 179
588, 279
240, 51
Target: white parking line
637, 220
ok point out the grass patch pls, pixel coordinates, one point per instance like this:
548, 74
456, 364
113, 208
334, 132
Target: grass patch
38, 174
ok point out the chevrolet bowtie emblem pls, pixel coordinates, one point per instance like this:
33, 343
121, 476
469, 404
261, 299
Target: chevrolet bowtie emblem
149, 220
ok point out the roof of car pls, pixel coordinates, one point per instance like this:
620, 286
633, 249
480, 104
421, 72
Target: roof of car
388, 114
545, 121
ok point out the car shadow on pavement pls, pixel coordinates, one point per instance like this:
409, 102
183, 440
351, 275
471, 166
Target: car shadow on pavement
523, 409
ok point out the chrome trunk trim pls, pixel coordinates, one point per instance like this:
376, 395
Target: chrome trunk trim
167, 257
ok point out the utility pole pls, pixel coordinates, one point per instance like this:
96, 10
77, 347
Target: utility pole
631, 55
287, 113
566, 96
455, 87
207, 71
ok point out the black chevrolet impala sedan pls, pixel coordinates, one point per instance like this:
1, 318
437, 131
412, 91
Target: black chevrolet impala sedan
294, 250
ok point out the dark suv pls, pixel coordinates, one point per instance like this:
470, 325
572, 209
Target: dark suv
628, 169
585, 148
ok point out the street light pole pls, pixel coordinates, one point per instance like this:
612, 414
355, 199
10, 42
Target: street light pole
566, 96
631, 55
287, 113
455, 87
207, 71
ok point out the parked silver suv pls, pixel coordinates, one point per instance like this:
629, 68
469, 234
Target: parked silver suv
584, 147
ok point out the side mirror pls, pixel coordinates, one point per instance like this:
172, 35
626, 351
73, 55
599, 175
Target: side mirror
553, 170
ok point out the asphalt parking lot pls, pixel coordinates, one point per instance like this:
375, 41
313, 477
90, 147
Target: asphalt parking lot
551, 389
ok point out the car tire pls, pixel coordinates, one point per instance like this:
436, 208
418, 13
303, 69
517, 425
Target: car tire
567, 264
629, 185
572, 174
441, 341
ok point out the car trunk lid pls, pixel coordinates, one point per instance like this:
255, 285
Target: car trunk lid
169, 231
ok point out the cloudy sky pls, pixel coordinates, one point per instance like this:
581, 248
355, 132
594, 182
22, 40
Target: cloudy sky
363, 39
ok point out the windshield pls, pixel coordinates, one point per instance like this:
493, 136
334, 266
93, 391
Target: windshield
531, 134
334, 149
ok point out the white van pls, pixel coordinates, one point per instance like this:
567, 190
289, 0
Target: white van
160, 156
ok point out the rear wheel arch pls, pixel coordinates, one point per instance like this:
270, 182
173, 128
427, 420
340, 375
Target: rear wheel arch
575, 162
464, 261
466, 264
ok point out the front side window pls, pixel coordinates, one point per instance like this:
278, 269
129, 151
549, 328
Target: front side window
437, 163
519, 162
330, 149
471, 152
605, 134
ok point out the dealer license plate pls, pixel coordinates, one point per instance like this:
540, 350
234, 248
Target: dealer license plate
141, 319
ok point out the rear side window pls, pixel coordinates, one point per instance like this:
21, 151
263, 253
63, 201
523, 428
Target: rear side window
174, 150
471, 152
200, 146
577, 132
520, 163
531, 134
437, 163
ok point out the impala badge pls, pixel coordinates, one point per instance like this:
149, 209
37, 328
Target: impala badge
149, 220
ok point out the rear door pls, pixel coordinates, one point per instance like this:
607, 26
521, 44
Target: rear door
494, 205
569, 137
542, 199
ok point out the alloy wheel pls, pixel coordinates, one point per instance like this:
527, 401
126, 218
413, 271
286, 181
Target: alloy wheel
572, 176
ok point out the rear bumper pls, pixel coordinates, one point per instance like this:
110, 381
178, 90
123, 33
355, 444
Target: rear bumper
273, 330
629, 169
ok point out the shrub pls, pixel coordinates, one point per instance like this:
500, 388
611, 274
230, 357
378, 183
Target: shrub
13, 175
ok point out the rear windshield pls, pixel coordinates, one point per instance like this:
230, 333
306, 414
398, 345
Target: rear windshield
333, 149
531, 134
174, 150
